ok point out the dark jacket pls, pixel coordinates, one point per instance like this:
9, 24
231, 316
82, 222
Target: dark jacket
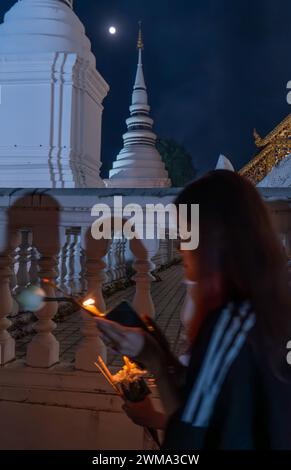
233, 400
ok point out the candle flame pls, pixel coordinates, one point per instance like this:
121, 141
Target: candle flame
128, 365
89, 306
129, 373
88, 302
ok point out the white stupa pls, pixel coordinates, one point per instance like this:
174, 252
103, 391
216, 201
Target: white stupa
139, 164
51, 99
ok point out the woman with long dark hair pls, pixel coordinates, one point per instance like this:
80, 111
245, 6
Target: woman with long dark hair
236, 392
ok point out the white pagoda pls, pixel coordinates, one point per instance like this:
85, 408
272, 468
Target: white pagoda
139, 164
51, 99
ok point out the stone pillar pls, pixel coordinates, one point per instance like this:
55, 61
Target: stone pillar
43, 350
9, 243
91, 345
142, 301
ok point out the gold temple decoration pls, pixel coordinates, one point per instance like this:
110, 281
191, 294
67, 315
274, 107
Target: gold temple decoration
140, 44
274, 148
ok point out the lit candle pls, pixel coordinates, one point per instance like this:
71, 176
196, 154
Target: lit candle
128, 364
89, 306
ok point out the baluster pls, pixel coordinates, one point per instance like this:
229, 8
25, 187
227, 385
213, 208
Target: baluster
143, 252
72, 259
23, 260
14, 270
78, 287
43, 350
119, 259
10, 242
91, 345
63, 261
82, 279
123, 263
33, 270
114, 259
115, 248
109, 270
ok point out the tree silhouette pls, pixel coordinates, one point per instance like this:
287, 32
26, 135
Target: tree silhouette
178, 162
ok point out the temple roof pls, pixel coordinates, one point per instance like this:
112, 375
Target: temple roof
274, 148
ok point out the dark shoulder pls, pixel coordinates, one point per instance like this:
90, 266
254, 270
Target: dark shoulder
222, 336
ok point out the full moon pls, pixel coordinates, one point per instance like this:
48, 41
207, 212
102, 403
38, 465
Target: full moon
112, 30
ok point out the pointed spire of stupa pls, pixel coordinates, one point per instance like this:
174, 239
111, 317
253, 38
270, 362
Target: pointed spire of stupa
140, 39
68, 2
139, 95
139, 164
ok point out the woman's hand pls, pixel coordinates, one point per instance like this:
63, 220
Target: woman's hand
127, 341
132, 342
143, 348
144, 414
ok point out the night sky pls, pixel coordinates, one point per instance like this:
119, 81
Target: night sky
215, 69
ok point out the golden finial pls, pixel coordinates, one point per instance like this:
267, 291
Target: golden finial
139, 41
257, 138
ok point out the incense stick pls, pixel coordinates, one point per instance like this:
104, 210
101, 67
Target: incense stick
105, 367
105, 373
108, 379
153, 434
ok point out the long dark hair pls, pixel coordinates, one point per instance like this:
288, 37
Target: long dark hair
238, 241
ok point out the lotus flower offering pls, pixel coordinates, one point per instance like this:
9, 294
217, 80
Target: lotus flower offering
131, 381
130, 384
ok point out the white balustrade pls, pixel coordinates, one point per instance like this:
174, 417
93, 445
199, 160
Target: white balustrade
9, 245
69, 256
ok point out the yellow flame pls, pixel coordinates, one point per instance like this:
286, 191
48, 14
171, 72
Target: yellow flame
89, 306
88, 302
128, 364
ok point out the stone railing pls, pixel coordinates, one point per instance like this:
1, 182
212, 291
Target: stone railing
41, 237
47, 234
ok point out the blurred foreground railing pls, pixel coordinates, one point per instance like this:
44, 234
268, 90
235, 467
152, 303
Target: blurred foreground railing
43, 238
